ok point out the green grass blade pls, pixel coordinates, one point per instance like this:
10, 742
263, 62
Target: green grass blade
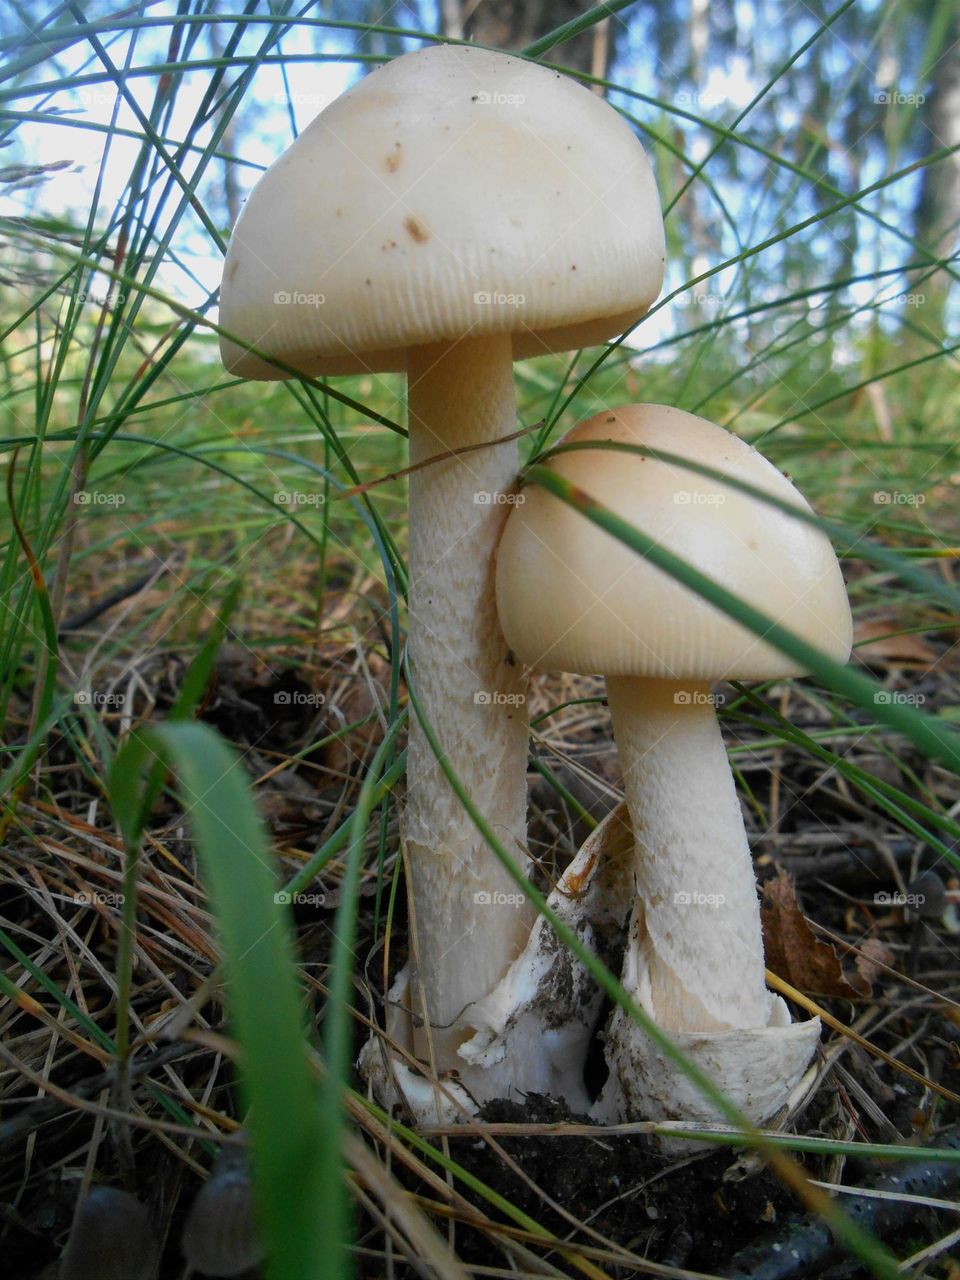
294, 1146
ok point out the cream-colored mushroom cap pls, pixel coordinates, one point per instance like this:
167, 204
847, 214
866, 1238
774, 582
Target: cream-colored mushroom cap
571, 597
453, 191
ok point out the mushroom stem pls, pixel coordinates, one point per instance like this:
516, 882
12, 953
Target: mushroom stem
695, 957
470, 925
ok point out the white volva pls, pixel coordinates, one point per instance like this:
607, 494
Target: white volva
694, 952
455, 210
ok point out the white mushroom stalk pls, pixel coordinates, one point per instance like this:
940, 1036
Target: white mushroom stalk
571, 597
455, 210
696, 958
470, 919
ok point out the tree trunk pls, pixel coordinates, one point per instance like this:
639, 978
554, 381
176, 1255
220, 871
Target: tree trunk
937, 225
513, 24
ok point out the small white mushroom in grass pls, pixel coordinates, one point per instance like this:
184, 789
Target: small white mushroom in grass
573, 598
456, 210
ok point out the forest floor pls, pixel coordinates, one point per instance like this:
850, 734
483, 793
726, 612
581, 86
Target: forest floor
843, 920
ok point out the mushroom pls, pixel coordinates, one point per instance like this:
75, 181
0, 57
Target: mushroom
456, 210
573, 598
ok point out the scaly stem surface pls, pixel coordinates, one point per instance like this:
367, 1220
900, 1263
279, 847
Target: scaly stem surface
695, 960
469, 924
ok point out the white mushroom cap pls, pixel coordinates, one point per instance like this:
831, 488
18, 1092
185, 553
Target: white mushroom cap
571, 597
453, 191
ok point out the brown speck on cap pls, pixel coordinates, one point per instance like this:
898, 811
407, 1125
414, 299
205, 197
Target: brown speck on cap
416, 230
392, 161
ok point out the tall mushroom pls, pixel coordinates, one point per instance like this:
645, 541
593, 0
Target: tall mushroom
573, 598
454, 211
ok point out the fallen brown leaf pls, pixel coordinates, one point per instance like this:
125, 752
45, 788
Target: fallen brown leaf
871, 956
796, 954
876, 645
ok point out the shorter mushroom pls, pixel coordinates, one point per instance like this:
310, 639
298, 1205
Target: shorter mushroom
571, 597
